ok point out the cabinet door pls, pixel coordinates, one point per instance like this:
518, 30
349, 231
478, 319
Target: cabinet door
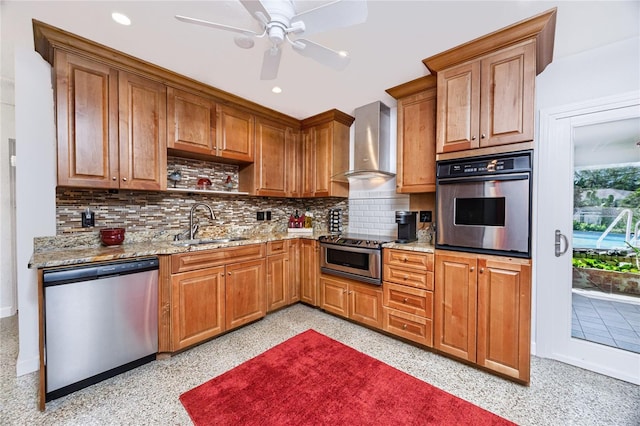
309, 272
87, 122
197, 306
323, 159
507, 96
458, 108
293, 164
309, 162
334, 295
191, 122
236, 136
294, 271
271, 154
417, 143
143, 141
504, 316
277, 281
245, 293
455, 305
365, 304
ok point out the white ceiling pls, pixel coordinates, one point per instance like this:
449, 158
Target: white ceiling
386, 51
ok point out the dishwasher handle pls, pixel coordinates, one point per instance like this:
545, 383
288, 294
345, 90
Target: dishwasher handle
93, 272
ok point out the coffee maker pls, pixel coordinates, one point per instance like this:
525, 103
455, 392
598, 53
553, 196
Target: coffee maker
407, 226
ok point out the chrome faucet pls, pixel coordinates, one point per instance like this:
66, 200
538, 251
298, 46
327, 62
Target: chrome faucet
193, 228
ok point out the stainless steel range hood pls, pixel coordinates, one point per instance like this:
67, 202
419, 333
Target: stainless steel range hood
372, 144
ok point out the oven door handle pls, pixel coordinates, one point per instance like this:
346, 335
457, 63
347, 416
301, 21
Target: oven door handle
471, 179
348, 248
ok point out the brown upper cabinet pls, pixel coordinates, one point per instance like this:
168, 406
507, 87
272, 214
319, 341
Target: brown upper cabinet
416, 141
487, 102
191, 122
326, 154
235, 133
486, 87
274, 172
111, 126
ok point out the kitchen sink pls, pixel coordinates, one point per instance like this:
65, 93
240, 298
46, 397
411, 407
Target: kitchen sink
188, 243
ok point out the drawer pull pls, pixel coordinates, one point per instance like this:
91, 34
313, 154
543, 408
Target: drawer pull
406, 277
404, 326
471, 269
404, 259
405, 300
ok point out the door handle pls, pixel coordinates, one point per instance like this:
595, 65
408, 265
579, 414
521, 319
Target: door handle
559, 238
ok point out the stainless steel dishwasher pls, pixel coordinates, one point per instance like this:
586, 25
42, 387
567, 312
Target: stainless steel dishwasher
100, 320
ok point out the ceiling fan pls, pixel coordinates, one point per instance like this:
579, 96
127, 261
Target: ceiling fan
279, 20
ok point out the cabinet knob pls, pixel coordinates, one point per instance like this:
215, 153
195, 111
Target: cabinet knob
473, 138
404, 259
483, 136
404, 326
228, 273
471, 269
124, 179
404, 300
114, 178
406, 277
344, 291
481, 270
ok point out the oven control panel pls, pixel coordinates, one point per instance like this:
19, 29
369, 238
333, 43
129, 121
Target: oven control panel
351, 242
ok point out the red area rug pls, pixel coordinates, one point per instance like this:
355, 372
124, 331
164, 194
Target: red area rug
312, 379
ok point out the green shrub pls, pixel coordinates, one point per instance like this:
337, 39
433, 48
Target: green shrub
607, 265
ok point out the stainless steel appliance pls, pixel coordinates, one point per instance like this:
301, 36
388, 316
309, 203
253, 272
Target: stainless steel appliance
407, 226
100, 320
483, 204
354, 256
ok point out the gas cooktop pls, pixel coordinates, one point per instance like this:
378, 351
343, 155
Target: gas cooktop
356, 240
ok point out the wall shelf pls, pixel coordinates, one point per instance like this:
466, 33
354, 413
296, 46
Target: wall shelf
205, 191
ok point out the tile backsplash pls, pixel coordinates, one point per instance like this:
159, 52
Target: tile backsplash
169, 211
373, 212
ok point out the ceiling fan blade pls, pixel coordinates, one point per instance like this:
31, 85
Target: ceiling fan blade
256, 10
339, 14
215, 25
270, 63
322, 54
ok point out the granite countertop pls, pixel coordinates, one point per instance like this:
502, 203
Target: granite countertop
51, 251
414, 246
86, 248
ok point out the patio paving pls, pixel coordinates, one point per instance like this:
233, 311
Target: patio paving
609, 322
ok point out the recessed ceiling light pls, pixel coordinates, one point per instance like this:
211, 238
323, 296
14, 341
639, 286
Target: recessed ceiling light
121, 18
343, 53
276, 89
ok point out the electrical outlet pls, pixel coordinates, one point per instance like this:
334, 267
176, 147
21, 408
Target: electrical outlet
88, 219
260, 216
268, 215
425, 216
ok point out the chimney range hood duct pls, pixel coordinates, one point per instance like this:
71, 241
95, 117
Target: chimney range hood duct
372, 144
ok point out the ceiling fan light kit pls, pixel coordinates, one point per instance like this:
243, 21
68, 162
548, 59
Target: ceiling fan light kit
279, 20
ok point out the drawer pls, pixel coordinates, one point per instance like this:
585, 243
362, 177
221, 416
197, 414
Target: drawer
408, 326
408, 276
408, 299
277, 247
208, 258
420, 261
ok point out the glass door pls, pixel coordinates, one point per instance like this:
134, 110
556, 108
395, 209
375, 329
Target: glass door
581, 166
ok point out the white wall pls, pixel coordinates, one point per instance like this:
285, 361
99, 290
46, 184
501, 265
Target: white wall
8, 301
35, 189
606, 71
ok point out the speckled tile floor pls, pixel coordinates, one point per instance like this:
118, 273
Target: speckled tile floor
559, 394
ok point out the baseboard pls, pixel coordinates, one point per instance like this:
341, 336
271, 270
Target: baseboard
26, 366
8, 311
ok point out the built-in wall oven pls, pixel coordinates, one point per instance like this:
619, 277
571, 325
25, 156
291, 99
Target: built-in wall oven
358, 257
483, 204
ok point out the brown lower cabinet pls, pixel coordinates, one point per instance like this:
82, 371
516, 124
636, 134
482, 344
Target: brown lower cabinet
351, 299
280, 291
208, 292
483, 311
408, 295
309, 253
